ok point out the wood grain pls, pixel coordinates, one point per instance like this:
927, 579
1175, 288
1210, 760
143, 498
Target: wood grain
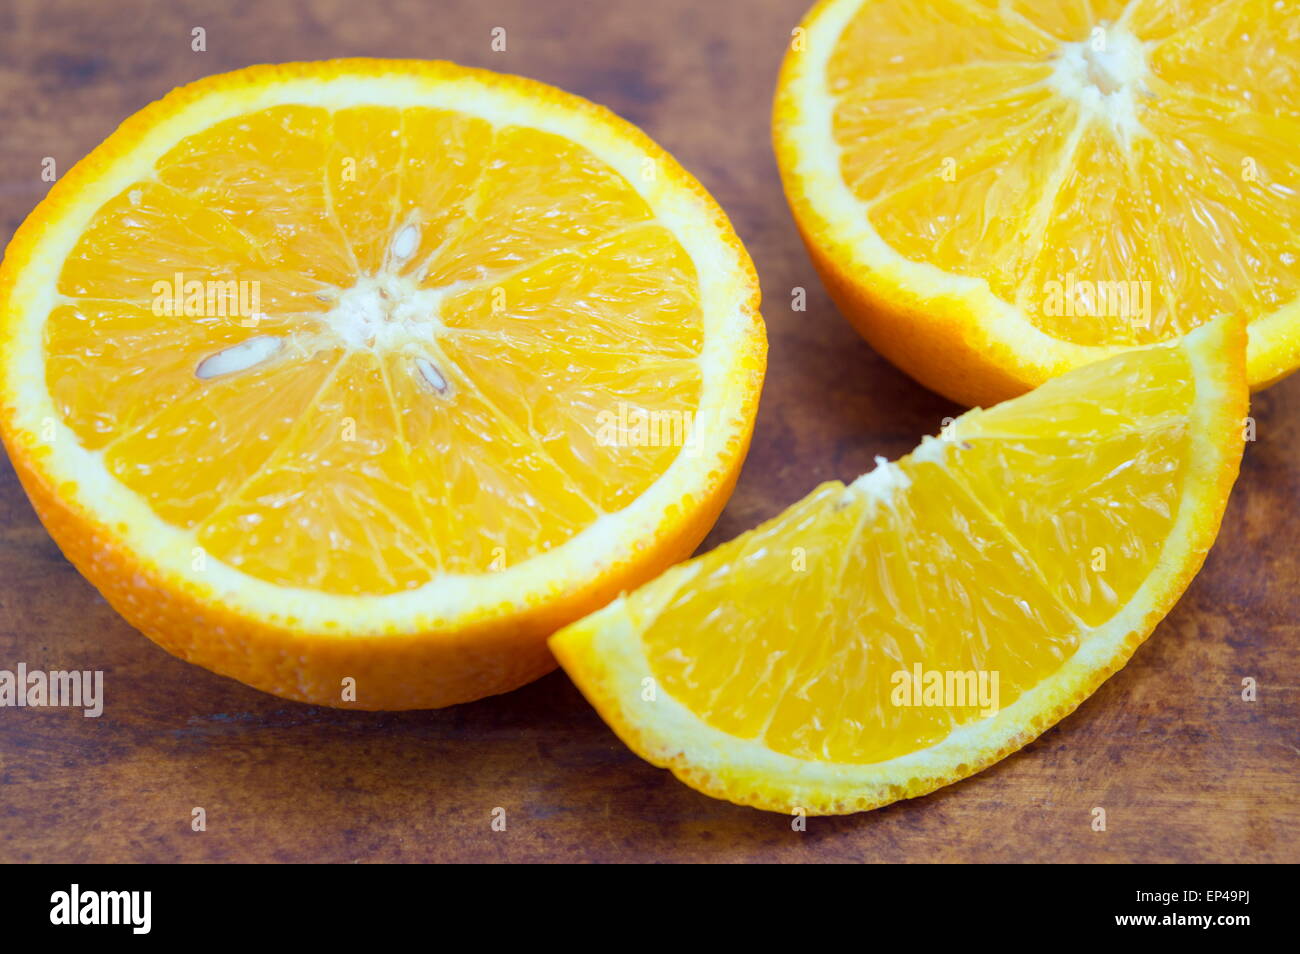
1186, 770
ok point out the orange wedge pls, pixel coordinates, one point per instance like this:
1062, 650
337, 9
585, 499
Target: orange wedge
355, 380
995, 193
880, 640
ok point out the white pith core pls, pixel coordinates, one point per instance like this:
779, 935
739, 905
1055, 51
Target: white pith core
381, 312
1104, 74
384, 312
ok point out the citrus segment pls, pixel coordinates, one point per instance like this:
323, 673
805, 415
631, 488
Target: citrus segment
1010, 565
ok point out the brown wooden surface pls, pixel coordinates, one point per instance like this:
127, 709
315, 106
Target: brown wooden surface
1185, 769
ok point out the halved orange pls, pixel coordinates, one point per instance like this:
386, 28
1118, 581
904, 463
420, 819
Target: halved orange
996, 192
355, 380
880, 640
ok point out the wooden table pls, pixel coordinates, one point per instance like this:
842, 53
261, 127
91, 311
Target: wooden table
1185, 769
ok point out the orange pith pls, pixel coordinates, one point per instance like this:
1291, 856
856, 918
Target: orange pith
1047, 182
362, 349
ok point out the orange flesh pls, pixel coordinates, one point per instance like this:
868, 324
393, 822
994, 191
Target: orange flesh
970, 156
454, 306
938, 573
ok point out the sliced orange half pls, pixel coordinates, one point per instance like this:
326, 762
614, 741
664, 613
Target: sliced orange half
355, 380
879, 640
997, 192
